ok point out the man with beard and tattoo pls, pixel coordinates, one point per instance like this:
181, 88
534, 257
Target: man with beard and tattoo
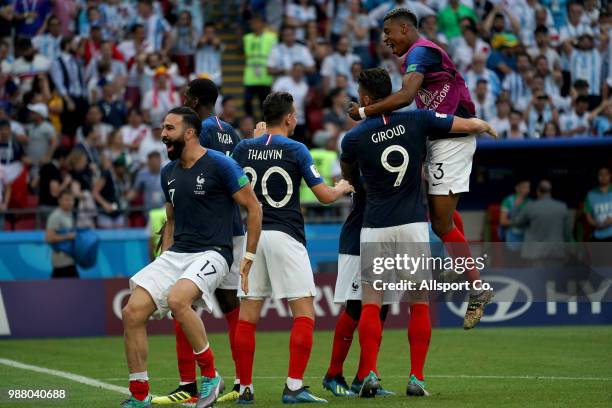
201, 187
201, 96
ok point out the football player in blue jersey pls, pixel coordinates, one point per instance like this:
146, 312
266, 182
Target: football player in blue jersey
388, 150
200, 186
276, 164
201, 96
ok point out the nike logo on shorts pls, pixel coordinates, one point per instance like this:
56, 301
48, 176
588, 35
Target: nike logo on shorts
435, 184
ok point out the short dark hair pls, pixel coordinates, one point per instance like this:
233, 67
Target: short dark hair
482, 81
582, 99
226, 99
541, 29
402, 14
276, 106
205, 90
376, 82
581, 83
153, 153
4, 123
190, 118
516, 112
61, 152
65, 192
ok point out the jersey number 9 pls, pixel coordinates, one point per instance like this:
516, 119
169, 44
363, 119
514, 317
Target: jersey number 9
401, 169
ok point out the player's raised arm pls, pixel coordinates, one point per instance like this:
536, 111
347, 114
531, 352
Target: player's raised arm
472, 126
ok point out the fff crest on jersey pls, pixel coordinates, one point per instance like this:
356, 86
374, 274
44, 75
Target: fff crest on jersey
199, 188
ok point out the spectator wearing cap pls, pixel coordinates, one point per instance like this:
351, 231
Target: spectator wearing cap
287, 53
515, 131
159, 100
542, 47
502, 59
148, 183
42, 137
48, 42
539, 112
28, 64
479, 70
516, 83
69, 79
598, 207
208, 55
30, 16
575, 25
257, 46
586, 62
112, 107
483, 101
576, 122
298, 14
466, 47
601, 119
296, 85
450, 16
134, 132
338, 63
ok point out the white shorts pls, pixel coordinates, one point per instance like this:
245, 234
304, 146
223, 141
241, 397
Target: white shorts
408, 239
231, 280
348, 281
205, 269
281, 269
449, 164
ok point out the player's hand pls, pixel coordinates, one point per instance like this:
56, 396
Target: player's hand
245, 268
344, 186
260, 129
353, 111
491, 131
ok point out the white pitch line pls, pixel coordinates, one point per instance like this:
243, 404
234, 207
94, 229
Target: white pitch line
462, 376
64, 374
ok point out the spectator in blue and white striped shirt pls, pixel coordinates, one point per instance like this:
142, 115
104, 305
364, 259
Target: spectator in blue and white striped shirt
576, 122
516, 83
48, 44
479, 71
601, 119
539, 112
586, 63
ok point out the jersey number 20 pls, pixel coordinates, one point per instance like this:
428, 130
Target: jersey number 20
264, 184
401, 169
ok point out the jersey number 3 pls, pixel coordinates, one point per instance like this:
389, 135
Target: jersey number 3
264, 184
401, 169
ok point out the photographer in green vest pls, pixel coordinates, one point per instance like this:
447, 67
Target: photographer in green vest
257, 46
325, 158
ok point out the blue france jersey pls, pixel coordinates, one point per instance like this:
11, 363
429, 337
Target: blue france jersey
389, 151
276, 165
222, 137
203, 205
351, 229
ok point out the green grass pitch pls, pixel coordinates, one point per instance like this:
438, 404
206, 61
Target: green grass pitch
493, 367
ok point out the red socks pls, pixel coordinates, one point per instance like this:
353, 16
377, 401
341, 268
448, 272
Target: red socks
184, 355
139, 389
245, 349
232, 323
370, 332
460, 249
206, 361
458, 221
343, 337
300, 345
419, 334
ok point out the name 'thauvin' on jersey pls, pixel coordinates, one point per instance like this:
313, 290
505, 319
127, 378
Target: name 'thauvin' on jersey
271, 154
388, 134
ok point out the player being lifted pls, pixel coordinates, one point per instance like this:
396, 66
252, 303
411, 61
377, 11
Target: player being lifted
433, 82
276, 164
201, 96
388, 151
201, 187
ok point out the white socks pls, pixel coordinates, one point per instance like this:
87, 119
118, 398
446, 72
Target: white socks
143, 376
294, 384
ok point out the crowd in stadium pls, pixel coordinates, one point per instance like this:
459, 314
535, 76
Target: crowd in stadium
84, 85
